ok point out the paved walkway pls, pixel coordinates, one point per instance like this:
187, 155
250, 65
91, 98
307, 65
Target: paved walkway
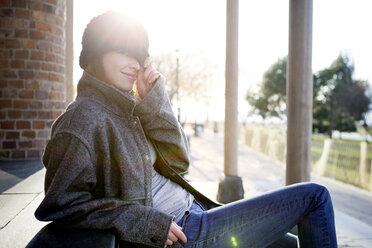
21, 188
353, 206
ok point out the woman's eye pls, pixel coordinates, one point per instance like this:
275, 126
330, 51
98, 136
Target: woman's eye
123, 52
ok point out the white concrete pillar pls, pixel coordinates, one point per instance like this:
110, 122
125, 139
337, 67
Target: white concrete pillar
370, 178
231, 187
363, 164
321, 165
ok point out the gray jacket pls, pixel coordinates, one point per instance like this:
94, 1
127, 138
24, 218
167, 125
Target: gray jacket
98, 165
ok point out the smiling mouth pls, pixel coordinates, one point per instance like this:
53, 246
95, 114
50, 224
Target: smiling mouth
130, 76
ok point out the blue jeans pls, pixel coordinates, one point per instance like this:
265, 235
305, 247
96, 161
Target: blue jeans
260, 221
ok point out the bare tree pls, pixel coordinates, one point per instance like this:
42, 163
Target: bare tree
194, 76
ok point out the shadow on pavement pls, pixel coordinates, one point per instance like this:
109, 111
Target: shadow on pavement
13, 172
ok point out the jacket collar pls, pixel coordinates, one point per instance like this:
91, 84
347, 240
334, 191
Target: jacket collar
119, 102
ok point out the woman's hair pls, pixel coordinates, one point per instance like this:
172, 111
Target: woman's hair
113, 31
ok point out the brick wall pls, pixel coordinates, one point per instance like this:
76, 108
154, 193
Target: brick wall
32, 74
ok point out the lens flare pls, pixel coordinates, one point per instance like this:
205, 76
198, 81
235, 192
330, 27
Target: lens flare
234, 242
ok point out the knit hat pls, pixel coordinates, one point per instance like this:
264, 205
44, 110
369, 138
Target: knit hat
113, 31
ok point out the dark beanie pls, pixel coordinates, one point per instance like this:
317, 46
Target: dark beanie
113, 31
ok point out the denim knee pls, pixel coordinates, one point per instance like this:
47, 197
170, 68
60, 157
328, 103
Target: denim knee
319, 191
314, 187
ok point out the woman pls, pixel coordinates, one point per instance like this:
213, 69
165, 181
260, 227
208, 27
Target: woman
115, 155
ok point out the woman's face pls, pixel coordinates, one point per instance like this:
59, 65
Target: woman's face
120, 70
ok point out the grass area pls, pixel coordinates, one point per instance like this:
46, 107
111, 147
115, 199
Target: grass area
343, 161
362, 131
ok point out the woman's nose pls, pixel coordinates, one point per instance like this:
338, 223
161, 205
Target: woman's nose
134, 65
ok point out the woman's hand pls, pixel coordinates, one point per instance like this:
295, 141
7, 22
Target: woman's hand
174, 234
146, 77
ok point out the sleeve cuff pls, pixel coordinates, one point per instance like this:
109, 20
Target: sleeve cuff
163, 224
154, 100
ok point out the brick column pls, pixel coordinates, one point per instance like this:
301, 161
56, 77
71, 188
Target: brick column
32, 74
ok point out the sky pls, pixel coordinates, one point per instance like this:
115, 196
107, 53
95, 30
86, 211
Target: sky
198, 26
